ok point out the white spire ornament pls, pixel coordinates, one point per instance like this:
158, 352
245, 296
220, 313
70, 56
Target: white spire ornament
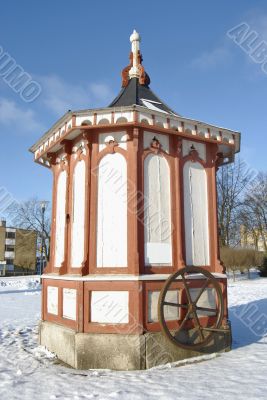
135, 69
135, 39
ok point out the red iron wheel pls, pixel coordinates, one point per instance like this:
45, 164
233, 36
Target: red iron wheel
197, 323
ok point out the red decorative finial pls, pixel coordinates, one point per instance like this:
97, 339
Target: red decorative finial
135, 69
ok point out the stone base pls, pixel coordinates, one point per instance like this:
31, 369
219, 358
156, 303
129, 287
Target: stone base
120, 352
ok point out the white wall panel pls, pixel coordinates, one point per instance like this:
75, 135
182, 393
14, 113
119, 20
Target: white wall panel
69, 303
52, 300
163, 139
157, 213
60, 218
112, 212
207, 300
196, 214
200, 147
111, 307
170, 313
78, 213
120, 137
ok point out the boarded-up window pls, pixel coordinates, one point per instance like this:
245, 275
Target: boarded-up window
60, 219
157, 212
196, 214
78, 212
112, 212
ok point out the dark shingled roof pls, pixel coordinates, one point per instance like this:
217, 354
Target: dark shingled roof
133, 94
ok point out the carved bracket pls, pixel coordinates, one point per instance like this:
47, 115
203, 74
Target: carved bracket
155, 145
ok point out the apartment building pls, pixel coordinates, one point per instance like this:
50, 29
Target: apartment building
254, 239
17, 248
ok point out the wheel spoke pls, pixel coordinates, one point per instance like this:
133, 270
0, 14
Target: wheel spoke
167, 303
213, 329
187, 289
201, 291
183, 322
199, 327
214, 310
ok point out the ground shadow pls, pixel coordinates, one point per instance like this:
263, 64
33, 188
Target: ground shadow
249, 323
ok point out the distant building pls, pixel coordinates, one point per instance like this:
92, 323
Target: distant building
253, 239
17, 248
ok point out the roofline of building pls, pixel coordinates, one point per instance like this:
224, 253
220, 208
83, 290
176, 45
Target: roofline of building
133, 107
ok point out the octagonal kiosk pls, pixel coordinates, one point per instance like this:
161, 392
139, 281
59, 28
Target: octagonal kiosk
134, 278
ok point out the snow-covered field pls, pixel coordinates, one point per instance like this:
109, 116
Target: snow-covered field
27, 371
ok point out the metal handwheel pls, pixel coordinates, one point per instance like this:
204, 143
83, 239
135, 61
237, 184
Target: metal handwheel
196, 324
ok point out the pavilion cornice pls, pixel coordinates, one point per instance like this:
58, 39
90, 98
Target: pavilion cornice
72, 124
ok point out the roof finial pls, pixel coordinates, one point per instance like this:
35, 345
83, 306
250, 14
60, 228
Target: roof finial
135, 69
135, 39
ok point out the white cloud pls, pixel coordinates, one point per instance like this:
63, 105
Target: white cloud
223, 53
257, 21
101, 91
210, 59
24, 120
59, 96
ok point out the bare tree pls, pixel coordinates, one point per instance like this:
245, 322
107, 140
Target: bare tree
232, 182
28, 215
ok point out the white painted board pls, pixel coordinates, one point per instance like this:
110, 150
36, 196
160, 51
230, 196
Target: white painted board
112, 212
207, 300
78, 215
52, 300
69, 303
170, 313
157, 211
196, 214
60, 219
110, 307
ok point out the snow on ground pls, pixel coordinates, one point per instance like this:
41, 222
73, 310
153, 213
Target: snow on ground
28, 371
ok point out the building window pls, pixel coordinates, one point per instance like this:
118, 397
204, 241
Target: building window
10, 235
9, 261
9, 247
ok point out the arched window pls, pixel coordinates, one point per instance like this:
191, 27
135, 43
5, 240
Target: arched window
78, 213
112, 212
103, 121
196, 214
121, 120
60, 219
157, 211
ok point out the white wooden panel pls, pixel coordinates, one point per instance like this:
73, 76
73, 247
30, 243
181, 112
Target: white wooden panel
78, 213
81, 119
158, 253
52, 300
147, 117
103, 116
112, 212
196, 214
119, 137
190, 127
163, 139
207, 300
126, 114
200, 147
171, 313
60, 218
111, 307
69, 303
157, 213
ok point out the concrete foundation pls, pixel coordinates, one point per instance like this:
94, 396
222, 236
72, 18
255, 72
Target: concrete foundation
120, 352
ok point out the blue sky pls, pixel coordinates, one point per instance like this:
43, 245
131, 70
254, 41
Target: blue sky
76, 50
